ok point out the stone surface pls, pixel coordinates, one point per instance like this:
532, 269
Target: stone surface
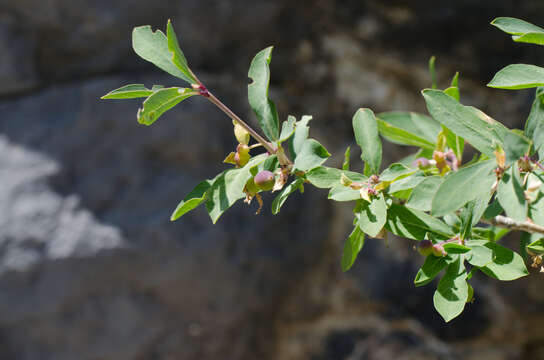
91, 267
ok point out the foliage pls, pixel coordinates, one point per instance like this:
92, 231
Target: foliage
432, 197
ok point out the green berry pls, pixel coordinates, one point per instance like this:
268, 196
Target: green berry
251, 187
425, 247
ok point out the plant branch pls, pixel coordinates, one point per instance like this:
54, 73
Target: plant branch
268, 146
508, 223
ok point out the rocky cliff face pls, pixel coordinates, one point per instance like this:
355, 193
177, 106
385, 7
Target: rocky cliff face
90, 266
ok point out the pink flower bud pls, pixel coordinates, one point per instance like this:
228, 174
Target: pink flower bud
422, 163
373, 180
438, 250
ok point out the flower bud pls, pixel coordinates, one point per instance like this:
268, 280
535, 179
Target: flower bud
425, 247
438, 250
373, 179
241, 134
422, 163
241, 159
524, 164
242, 149
500, 156
265, 180
451, 160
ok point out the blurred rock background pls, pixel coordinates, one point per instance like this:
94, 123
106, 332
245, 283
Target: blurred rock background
91, 267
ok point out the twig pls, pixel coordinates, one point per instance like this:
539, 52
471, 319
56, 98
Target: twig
268, 146
508, 223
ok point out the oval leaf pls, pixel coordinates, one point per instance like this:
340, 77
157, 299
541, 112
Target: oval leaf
352, 247
129, 92
365, 128
511, 195
312, 154
263, 107
371, 215
431, 268
451, 294
192, 200
153, 47
161, 101
414, 224
463, 186
178, 58
515, 26
518, 76
409, 128
470, 124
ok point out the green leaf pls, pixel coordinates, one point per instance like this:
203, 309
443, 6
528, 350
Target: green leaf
530, 38
129, 92
344, 193
365, 129
228, 187
451, 294
537, 246
515, 145
455, 81
347, 154
311, 155
371, 215
506, 264
453, 91
279, 200
454, 142
538, 138
453, 248
515, 26
287, 129
161, 101
522, 31
422, 195
153, 47
536, 115
409, 128
518, 76
493, 210
264, 108
480, 255
496, 261
407, 183
469, 123
271, 164
414, 224
466, 216
178, 58
463, 186
325, 177
196, 197
432, 71
395, 172
536, 209
301, 134
431, 268
511, 195
352, 247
